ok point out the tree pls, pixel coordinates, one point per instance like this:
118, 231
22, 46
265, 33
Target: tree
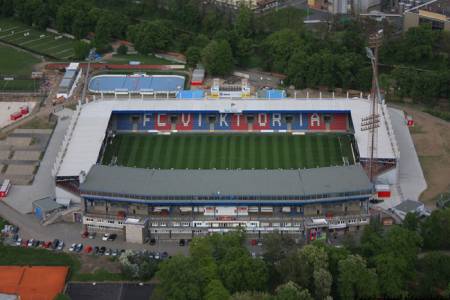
7, 8
137, 266
122, 49
244, 22
411, 221
433, 275
81, 25
102, 35
218, 58
64, 18
392, 275
81, 50
178, 279
291, 291
301, 265
322, 283
193, 56
216, 291
41, 17
251, 296
435, 230
279, 47
355, 280
240, 272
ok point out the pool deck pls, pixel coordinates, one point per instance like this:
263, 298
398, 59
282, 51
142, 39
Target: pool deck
136, 83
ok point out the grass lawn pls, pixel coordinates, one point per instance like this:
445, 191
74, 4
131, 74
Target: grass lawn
144, 59
18, 256
27, 37
16, 62
228, 151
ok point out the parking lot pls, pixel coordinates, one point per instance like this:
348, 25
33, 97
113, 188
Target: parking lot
96, 244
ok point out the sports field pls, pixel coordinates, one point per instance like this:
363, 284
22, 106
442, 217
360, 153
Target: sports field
43, 42
17, 64
228, 151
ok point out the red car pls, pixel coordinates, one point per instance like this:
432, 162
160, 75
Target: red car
25, 243
85, 234
253, 242
47, 245
88, 249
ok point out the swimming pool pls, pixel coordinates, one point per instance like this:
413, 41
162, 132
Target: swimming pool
136, 84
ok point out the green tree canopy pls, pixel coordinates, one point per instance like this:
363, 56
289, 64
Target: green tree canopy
218, 58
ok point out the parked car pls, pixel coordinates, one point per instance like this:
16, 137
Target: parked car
55, 244
72, 247
115, 252
30, 243
164, 255
105, 237
47, 244
102, 250
79, 247
108, 252
88, 249
92, 235
15, 237
85, 234
112, 237
35, 243
60, 245
25, 243
254, 242
182, 242
19, 241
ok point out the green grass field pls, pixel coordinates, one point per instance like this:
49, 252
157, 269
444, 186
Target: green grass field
40, 41
144, 59
228, 151
16, 62
19, 64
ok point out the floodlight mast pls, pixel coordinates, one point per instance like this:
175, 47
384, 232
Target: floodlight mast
91, 56
372, 122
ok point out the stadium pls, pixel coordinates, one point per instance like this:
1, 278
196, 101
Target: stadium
183, 167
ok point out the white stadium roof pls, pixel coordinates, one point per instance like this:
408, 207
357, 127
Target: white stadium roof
90, 129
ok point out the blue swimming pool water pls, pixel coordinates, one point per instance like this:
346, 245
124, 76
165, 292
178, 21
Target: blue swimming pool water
136, 83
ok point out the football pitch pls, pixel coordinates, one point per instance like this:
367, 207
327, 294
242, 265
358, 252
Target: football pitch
228, 151
27, 37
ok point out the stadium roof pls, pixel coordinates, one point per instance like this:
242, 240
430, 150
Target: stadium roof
146, 182
90, 129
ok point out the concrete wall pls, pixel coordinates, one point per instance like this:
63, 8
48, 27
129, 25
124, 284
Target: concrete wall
410, 20
136, 233
63, 194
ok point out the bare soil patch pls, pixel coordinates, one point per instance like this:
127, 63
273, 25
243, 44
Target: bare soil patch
91, 263
431, 138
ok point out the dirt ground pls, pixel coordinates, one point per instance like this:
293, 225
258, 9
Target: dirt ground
431, 138
92, 263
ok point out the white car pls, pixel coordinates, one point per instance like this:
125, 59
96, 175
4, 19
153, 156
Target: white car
72, 247
60, 245
19, 241
30, 242
105, 237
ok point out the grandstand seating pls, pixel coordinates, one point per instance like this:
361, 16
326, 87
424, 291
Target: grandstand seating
143, 121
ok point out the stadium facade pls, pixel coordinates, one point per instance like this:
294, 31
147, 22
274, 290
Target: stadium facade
173, 203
